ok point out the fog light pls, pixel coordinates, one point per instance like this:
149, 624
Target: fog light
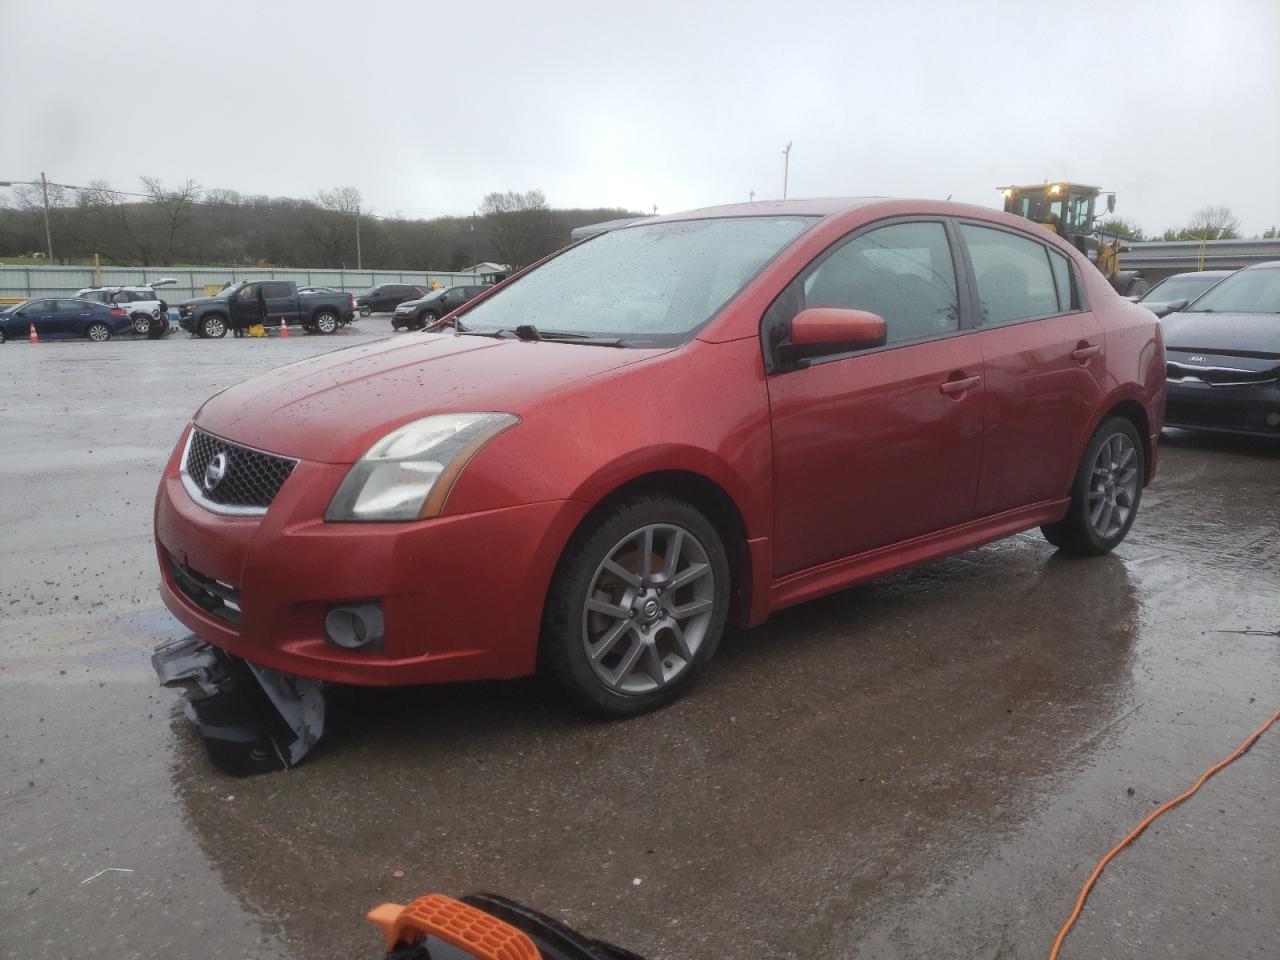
354, 627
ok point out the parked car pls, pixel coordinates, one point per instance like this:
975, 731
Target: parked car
389, 296
240, 303
794, 397
63, 319
413, 314
1174, 293
1224, 356
150, 314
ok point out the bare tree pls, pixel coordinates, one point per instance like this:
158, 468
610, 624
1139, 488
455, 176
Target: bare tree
1212, 223
520, 227
117, 223
175, 209
331, 225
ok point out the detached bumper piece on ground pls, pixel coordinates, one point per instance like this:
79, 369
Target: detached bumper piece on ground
483, 926
252, 719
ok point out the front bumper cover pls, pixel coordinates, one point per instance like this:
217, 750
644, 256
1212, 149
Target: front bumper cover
252, 719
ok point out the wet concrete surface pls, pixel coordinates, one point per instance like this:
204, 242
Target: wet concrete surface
928, 765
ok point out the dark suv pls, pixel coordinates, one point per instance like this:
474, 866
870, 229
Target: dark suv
413, 314
388, 296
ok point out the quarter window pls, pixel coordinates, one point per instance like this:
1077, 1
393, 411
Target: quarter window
1015, 281
903, 272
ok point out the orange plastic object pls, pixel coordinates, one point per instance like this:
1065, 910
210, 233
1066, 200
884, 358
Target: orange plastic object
457, 924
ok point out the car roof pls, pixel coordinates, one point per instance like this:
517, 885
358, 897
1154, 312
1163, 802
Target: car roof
823, 207
1202, 273
1269, 265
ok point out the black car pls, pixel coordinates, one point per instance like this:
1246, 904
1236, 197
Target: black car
388, 296
1174, 293
1223, 355
418, 313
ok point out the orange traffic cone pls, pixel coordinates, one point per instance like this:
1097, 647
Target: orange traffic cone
284, 326
32, 335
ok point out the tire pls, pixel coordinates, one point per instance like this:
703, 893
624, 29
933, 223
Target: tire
365, 311
309, 327
141, 324
1105, 494
98, 332
649, 642
4, 338
425, 319
213, 327
326, 322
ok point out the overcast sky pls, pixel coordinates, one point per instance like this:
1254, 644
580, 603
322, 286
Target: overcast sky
424, 107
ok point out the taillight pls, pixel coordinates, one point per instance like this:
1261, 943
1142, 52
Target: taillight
351, 301
117, 312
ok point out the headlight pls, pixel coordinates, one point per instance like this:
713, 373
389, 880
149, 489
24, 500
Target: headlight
408, 473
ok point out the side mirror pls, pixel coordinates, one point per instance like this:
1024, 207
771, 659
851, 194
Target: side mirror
1111, 203
822, 330
1173, 306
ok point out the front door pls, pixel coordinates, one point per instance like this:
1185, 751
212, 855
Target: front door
44, 314
880, 446
1044, 367
245, 310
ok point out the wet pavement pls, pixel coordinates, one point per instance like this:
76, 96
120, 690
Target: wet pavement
929, 765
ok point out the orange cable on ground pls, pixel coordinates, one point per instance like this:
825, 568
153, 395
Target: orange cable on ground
1133, 834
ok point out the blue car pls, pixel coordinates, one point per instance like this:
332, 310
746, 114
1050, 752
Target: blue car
63, 320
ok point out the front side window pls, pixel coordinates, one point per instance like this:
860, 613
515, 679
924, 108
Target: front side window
902, 272
248, 293
1248, 291
656, 283
1015, 281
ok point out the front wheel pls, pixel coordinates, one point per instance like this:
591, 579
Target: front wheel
4, 337
98, 332
365, 311
636, 607
426, 319
1105, 493
213, 327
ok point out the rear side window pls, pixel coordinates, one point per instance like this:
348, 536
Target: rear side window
1062, 280
903, 272
1015, 281
270, 290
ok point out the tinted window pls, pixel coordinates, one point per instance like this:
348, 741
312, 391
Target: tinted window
902, 272
1062, 280
276, 289
1014, 279
1178, 288
1249, 291
72, 306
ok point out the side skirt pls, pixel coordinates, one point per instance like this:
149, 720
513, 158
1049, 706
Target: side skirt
839, 574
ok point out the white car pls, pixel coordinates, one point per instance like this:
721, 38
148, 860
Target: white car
150, 314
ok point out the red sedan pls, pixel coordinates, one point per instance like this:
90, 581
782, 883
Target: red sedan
689, 421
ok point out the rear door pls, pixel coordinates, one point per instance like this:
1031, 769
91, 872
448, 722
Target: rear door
71, 319
875, 447
1043, 354
282, 302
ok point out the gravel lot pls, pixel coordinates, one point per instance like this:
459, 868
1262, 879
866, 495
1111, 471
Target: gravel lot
929, 765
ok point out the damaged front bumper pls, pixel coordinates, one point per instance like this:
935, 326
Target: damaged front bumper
252, 719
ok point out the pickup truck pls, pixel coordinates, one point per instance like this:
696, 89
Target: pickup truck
240, 304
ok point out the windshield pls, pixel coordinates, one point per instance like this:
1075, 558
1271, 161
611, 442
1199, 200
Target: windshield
657, 282
226, 293
1178, 288
1249, 291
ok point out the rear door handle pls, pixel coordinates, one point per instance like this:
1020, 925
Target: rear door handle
1086, 351
955, 387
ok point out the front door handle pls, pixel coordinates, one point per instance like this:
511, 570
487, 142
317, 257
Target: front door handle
955, 387
1086, 351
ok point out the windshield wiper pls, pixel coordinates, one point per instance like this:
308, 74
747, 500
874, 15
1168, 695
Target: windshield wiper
527, 331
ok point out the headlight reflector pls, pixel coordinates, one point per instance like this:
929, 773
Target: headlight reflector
408, 473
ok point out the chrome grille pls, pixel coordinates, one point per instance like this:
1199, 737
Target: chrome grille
250, 481
1217, 376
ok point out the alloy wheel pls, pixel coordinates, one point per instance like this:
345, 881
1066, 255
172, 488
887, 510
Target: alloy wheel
99, 332
648, 609
1113, 486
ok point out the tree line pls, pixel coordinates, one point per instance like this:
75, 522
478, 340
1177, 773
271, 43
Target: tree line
160, 225
1207, 223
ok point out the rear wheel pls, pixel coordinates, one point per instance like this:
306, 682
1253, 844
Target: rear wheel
637, 606
141, 324
98, 332
1105, 494
326, 321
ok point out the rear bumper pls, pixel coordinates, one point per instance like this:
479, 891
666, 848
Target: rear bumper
1252, 409
461, 596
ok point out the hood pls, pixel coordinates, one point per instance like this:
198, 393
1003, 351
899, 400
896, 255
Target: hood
331, 408
418, 301
198, 301
1230, 333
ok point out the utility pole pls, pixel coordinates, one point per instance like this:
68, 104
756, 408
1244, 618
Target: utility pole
44, 188
359, 259
786, 168
473, 240
751, 196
